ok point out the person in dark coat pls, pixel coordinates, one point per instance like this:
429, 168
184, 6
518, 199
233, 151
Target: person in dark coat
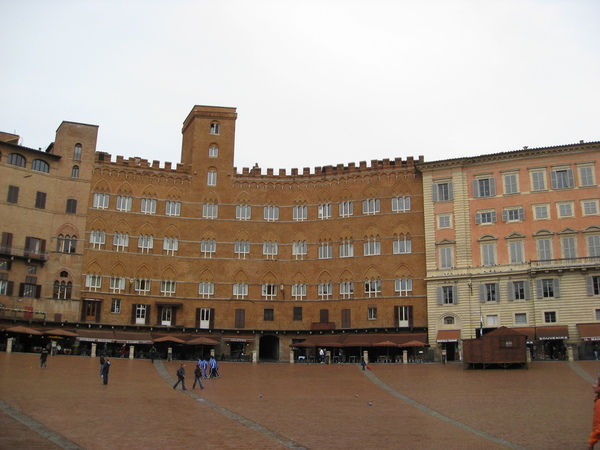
198, 377
105, 369
180, 378
43, 358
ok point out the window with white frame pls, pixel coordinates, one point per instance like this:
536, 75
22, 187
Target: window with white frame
142, 285
447, 295
170, 245
372, 246
402, 244
593, 245
101, 201
271, 213
115, 306
148, 206
208, 247
117, 284
325, 211
299, 291
206, 289
121, 241
548, 288
97, 238
346, 209
569, 246
373, 288
562, 178
167, 288
93, 282
210, 210
347, 289
446, 257
593, 285
346, 248
589, 207
215, 128
564, 209
485, 217
444, 221
513, 214
371, 206
300, 212
516, 252
403, 286
491, 320
270, 249
269, 291
442, 192
484, 187
541, 212
213, 151
518, 290
538, 180
488, 254
145, 243
242, 248
172, 208
400, 204
544, 249
325, 250
372, 313
243, 212
240, 290
586, 176
141, 312
549, 316
489, 292
325, 291
511, 183
124, 202
211, 178
520, 319
299, 249
449, 320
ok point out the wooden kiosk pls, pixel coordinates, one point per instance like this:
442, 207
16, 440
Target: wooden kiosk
501, 347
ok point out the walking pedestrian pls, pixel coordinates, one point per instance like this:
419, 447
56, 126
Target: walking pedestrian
180, 378
43, 358
105, 369
152, 354
102, 359
197, 377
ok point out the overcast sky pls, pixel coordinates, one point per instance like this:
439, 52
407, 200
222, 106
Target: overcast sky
314, 82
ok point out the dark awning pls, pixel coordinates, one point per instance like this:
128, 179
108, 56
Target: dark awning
589, 331
130, 337
95, 335
448, 336
552, 333
527, 331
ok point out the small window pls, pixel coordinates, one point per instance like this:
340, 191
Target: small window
511, 183
241, 249
40, 200
484, 187
208, 247
75, 172
550, 317
448, 320
16, 159
215, 128
240, 290
488, 254
538, 180
115, 306
372, 313
124, 202
71, 206
324, 211
297, 313
40, 166
270, 249
586, 176
77, 152
213, 151
541, 212
564, 209
210, 211
400, 204
13, 194
271, 213
445, 221
520, 318
269, 314
346, 209
300, 212
513, 214
148, 206
269, 291
101, 201
442, 192
211, 178
173, 208
562, 179
371, 206
299, 291
243, 212
485, 217
589, 207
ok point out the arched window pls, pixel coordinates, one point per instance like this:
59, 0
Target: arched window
17, 160
215, 128
40, 166
62, 290
77, 152
75, 172
213, 151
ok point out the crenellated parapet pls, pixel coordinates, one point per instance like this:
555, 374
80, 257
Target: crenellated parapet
135, 167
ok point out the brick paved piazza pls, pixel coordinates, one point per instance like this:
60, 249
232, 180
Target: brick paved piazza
548, 406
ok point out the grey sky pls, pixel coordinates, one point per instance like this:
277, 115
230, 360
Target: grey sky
315, 82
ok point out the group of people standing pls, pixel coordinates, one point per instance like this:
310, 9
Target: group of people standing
204, 369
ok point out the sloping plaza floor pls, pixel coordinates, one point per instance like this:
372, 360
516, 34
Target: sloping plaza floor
316, 406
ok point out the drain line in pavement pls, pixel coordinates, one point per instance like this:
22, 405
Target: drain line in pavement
436, 414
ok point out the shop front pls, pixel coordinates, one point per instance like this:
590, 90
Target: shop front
448, 345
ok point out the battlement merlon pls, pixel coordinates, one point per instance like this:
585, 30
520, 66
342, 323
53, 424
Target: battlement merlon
340, 169
138, 163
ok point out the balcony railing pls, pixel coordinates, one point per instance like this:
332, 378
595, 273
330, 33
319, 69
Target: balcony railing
588, 261
22, 252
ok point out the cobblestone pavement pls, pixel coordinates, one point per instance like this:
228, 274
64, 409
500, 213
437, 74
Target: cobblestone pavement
548, 406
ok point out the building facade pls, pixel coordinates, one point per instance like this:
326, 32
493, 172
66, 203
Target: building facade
513, 239
258, 260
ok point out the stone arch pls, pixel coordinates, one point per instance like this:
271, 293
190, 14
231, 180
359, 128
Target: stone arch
149, 191
101, 186
125, 188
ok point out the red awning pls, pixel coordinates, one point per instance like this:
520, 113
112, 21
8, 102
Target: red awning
448, 336
552, 333
589, 331
527, 331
